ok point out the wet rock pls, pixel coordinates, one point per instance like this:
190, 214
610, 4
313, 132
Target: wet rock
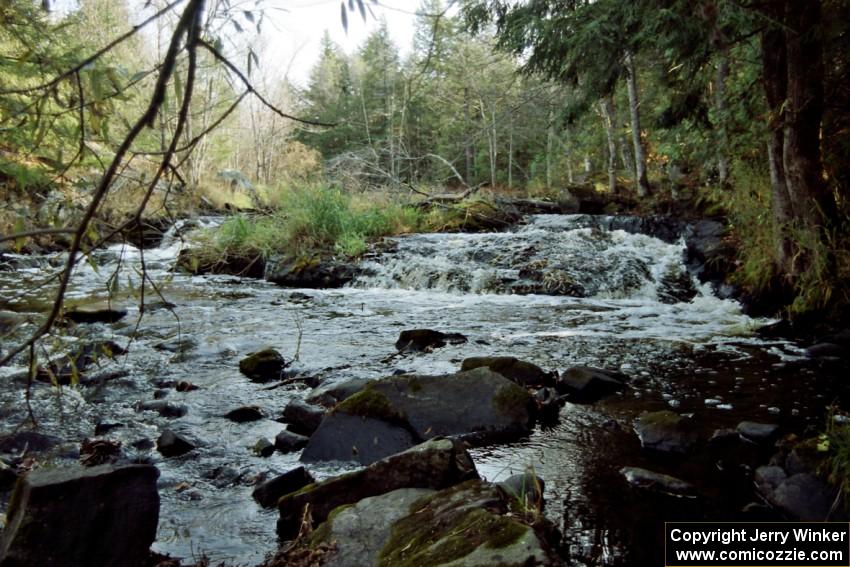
143, 444
436, 464
177, 345
165, 408
724, 436
244, 414
708, 253
657, 482
361, 531
310, 273
159, 394
527, 488
27, 441
676, 287
523, 373
827, 351
302, 418
73, 365
548, 404
199, 262
841, 338
759, 433
585, 384
421, 527
769, 478
94, 452
332, 394
361, 439
287, 441
666, 432
172, 444
222, 477
95, 314
268, 493
804, 497
103, 515
263, 447
8, 476
426, 340
263, 366
184, 386
388, 413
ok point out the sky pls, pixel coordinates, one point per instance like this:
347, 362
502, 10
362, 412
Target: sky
294, 36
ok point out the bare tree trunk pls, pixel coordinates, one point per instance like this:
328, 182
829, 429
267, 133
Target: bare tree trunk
569, 154
511, 151
643, 189
550, 138
606, 108
720, 108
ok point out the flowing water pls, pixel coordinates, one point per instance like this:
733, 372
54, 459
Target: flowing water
622, 301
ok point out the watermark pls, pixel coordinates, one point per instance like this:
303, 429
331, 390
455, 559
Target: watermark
757, 544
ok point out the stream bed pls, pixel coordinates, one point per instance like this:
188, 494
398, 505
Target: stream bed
631, 306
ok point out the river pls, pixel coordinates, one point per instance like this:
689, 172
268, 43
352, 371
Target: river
639, 312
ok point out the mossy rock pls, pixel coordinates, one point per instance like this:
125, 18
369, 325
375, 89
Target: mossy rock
263, 366
666, 432
519, 371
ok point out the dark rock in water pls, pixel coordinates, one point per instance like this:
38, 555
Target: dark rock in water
268, 493
657, 482
159, 394
399, 410
758, 512
758, 432
143, 444
245, 414
310, 273
345, 437
666, 432
263, 366
584, 384
8, 477
426, 340
436, 464
172, 444
549, 405
527, 488
263, 447
29, 441
724, 436
467, 524
95, 315
287, 441
331, 394
523, 373
94, 452
104, 516
708, 253
184, 386
177, 345
827, 351
841, 338
804, 497
769, 478
676, 287
197, 262
165, 408
65, 369
222, 477
302, 418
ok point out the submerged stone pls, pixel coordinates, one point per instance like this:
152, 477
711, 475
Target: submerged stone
244, 414
521, 372
172, 444
426, 340
585, 384
666, 432
657, 482
287, 441
268, 493
302, 418
758, 432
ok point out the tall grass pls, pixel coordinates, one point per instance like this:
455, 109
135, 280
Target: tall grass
312, 218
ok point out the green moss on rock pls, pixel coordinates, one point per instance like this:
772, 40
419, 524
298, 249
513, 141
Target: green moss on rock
371, 403
513, 401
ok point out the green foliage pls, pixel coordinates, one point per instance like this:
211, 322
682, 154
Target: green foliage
315, 218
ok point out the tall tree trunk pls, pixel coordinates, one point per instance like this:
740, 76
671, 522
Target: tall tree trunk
722, 72
568, 150
511, 150
606, 107
643, 189
626, 157
468, 151
550, 142
810, 197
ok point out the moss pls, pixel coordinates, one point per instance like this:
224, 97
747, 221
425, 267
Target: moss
513, 401
322, 534
371, 403
440, 530
309, 488
414, 384
663, 417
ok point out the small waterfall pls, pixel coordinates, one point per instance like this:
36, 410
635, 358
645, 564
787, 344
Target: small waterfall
551, 255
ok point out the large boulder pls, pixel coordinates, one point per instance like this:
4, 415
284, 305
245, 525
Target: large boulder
95, 314
666, 432
408, 408
523, 373
436, 464
104, 515
310, 272
468, 524
329, 395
